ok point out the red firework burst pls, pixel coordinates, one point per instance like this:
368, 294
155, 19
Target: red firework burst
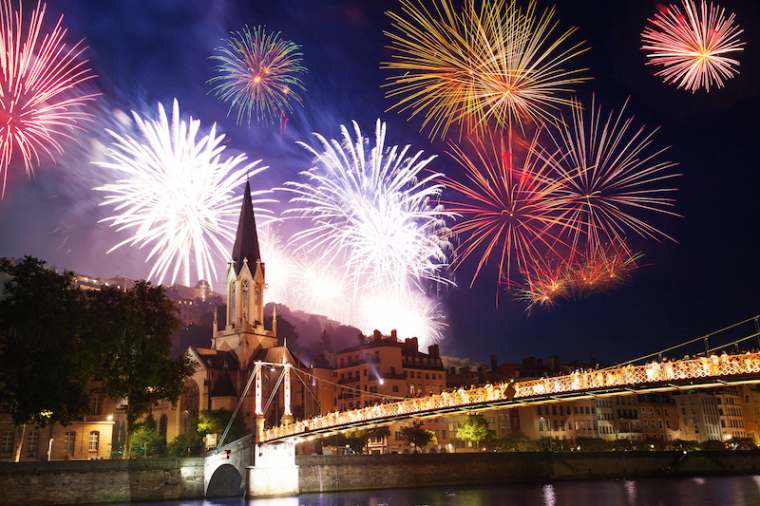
40, 103
614, 179
695, 47
511, 205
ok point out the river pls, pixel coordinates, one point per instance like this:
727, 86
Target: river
712, 491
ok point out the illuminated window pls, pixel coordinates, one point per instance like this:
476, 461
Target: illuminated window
32, 443
94, 442
6, 442
69, 442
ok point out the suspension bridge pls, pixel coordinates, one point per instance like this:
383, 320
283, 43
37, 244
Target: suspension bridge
727, 357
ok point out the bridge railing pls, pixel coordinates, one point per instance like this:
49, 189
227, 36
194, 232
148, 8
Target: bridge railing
711, 366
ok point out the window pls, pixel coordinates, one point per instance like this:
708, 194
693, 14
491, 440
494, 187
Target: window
94, 442
395, 388
69, 442
6, 442
32, 443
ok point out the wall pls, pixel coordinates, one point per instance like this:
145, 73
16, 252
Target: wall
333, 473
94, 481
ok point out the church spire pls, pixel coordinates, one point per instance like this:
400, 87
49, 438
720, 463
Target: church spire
246, 239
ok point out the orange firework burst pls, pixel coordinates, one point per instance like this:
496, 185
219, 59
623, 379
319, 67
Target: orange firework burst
613, 175
492, 60
603, 266
694, 46
598, 269
512, 206
40, 100
546, 285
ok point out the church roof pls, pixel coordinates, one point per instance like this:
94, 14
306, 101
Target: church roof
276, 354
222, 386
217, 359
246, 239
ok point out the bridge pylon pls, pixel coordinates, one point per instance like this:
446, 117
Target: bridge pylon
275, 472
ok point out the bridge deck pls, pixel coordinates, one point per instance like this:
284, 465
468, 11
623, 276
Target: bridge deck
701, 372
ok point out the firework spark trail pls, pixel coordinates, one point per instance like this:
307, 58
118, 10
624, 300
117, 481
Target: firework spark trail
695, 47
511, 205
495, 61
372, 210
259, 73
175, 193
40, 100
613, 175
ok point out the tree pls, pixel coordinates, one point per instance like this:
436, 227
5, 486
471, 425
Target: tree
474, 430
215, 421
417, 435
187, 444
146, 441
135, 326
46, 359
516, 443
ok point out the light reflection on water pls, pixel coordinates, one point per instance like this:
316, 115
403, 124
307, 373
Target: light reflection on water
713, 491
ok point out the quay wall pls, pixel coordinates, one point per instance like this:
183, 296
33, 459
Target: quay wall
82, 482
330, 473
97, 481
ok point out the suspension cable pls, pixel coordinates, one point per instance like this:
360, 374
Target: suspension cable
690, 341
346, 387
274, 390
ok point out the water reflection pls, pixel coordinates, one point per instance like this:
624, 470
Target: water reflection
550, 498
715, 491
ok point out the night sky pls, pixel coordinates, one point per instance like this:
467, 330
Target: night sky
150, 51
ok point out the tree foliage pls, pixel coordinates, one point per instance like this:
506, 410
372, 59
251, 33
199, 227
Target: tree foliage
46, 355
474, 430
135, 326
417, 435
215, 421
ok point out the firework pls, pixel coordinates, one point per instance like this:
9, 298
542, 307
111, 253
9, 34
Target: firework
372, 211
41, 101
614, 178
491, 61
604, 266
173, 192
695, 47
511, 205
259, 74
597, 269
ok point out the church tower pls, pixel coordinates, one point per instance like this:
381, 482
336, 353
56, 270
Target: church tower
244, 330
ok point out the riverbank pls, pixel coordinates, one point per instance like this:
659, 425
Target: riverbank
81, 482
329, 473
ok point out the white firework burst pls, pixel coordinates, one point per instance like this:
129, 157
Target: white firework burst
372, 210
173, 192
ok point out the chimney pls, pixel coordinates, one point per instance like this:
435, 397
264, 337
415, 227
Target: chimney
394, 334
494, 363
411, 343
434, 351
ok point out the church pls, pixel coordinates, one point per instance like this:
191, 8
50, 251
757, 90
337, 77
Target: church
237, 342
